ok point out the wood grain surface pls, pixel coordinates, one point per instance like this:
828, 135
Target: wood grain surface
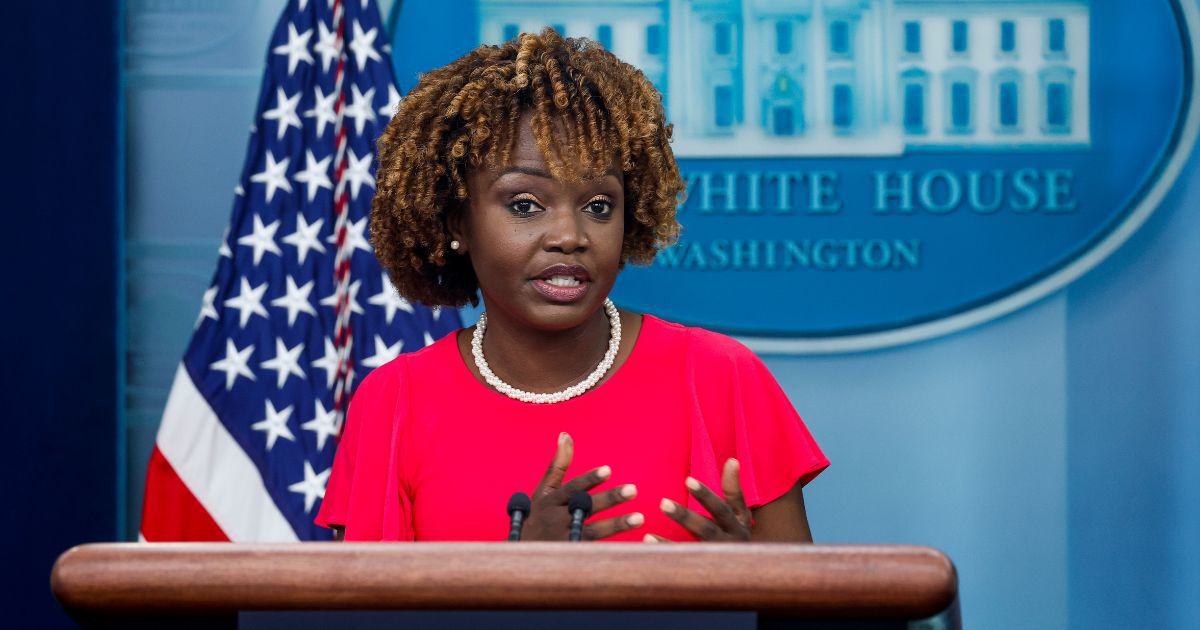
776, 580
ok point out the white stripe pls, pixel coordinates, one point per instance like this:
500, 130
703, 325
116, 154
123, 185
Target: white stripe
215, 468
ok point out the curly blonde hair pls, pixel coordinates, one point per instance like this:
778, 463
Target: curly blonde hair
587, 108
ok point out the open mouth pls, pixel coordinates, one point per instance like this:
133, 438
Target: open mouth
563, 283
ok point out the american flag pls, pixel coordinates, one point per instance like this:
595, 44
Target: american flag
299, 310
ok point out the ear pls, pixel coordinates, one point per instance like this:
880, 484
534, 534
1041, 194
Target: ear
456, 227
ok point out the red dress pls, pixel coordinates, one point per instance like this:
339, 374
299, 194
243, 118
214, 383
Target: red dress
430, 453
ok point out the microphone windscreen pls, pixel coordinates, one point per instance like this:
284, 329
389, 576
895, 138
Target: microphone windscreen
580, 501
519, 503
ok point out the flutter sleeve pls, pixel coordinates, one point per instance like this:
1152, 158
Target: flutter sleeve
366, 493
740, 411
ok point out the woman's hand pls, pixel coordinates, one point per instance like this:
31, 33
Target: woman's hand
548, 516
731, 517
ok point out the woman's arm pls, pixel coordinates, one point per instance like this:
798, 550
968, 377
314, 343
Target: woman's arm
782, 520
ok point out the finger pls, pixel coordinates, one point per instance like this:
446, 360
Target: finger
557, 471
603, 500
587, 481
731, 486
721, 512
655, 538
691, 521
604, 528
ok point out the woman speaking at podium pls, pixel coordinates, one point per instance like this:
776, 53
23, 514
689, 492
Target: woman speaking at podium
531, 173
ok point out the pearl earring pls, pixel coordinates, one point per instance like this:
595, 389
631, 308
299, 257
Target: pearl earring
454, 245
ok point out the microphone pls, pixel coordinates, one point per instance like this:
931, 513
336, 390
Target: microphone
580, 507
518, 509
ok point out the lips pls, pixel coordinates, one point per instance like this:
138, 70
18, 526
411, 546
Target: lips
563, 283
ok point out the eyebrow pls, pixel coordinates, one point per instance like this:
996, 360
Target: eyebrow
537, 172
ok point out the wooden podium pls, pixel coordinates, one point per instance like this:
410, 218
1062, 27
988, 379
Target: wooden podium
775, 585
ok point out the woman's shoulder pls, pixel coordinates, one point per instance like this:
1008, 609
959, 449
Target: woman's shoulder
699, 345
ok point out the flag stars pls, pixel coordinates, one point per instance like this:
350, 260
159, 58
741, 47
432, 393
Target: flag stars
296, 48
284, 113
315, 174
275, 425
390, 300
296, 300
356, 237
363, 45
313, 486
327, 45
329, 363
361, 108
262, 239
323, 109
234, 364
355, 307
285, 363
383, 353
274, 175
208, 310
324, 424
358, 172
305, 237
248, 302
392, 105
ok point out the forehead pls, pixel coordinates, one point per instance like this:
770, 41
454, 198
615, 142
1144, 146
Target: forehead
528, 158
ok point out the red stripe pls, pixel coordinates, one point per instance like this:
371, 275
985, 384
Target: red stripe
170, 511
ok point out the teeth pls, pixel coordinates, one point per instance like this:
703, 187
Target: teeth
563, 281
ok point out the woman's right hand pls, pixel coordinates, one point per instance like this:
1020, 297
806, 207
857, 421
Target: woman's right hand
548, 516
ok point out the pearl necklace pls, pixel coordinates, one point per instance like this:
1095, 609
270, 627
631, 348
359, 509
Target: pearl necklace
610, 355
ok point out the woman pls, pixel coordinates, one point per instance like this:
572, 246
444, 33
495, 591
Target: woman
532, 172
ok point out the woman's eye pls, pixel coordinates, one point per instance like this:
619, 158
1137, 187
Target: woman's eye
600, 207
522, 206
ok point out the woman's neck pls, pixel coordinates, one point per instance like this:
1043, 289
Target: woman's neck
544, 361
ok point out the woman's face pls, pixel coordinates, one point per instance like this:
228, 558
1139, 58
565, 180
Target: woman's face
546, 252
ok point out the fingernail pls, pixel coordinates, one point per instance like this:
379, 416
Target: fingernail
628, 491
563, 438
667, 506
692, 484
649, 538
736, 464
603, 472
636, 519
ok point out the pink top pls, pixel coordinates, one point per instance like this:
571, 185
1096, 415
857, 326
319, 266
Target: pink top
430, 453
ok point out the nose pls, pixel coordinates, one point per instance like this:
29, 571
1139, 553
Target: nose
566, 232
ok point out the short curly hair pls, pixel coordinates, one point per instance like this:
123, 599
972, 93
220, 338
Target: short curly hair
584, 103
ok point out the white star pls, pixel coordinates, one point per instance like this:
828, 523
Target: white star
286, 362
207, 309
315, 174
428, 338
234, 363
355, 307
238, 190
262, 239
305, 237
313, 486
296, 48
224, 250
324, 424
296, 300
284, 113
356, 238
361, 108
393, 103
358, 172
436, 312
390, 300
274, 175
326, 46
383, 353
323, 110
275, 424
248, 302
328, 363
363, 45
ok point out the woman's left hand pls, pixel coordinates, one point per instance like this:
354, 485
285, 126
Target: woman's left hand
730, 516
